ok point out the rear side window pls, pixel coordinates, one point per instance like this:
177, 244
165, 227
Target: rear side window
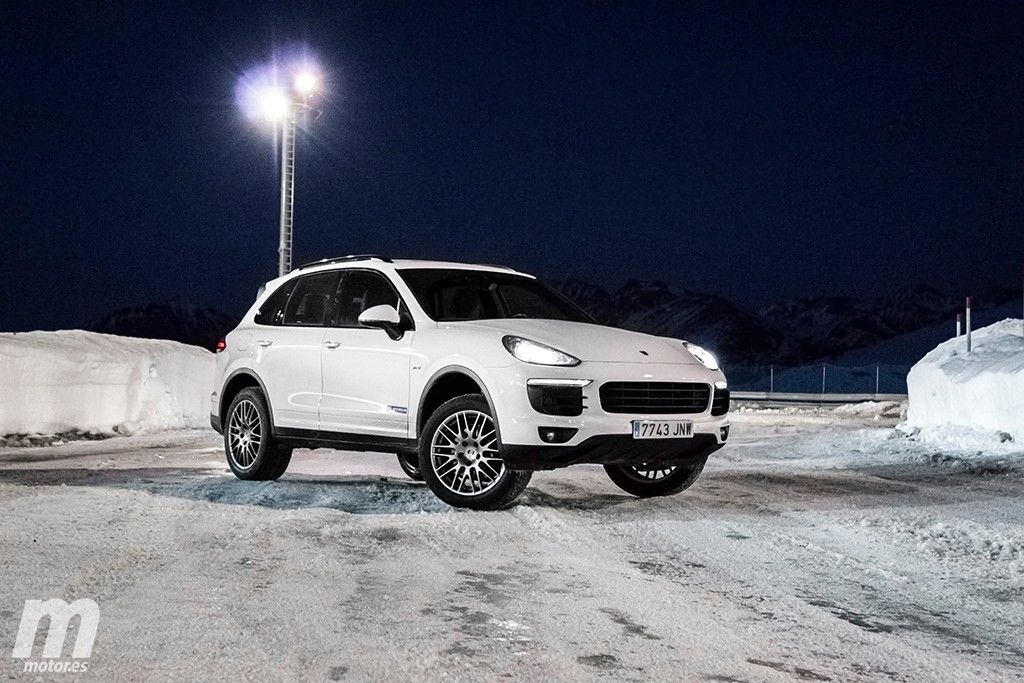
272, 310
312, 302
362, 289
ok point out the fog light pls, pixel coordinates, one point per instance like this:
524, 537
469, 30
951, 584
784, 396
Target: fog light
556, 434
725, 433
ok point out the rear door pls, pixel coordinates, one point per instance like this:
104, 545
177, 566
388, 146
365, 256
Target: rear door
286, 350
366, 373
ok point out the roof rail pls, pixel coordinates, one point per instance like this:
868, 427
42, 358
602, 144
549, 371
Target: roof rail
342, 259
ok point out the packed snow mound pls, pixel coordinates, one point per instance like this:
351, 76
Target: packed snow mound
74, 380
981, 391
875, 409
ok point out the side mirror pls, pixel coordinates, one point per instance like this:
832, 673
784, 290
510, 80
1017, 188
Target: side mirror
384, 317
378, 316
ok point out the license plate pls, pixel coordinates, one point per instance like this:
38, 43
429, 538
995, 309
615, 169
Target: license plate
662, 429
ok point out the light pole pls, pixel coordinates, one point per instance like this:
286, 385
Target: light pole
284, 247
264, 98
303, 89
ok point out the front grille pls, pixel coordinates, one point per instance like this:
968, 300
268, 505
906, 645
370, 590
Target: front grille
720, 404
655, 398
556, 400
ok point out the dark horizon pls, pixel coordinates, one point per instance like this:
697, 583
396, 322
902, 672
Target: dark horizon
760, 156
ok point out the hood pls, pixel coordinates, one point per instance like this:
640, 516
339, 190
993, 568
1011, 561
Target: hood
590, 342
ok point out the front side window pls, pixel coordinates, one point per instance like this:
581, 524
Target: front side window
312, 302
360, 290
449, 294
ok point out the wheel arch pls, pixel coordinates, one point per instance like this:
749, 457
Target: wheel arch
448, 383
236, 381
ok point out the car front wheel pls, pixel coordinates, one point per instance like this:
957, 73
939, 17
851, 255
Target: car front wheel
647, 481
460, 457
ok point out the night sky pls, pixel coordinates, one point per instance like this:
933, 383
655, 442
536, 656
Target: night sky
755, 152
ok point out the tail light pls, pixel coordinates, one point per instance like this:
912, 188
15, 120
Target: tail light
221, 345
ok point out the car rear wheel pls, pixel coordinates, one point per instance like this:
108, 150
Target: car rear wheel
252, 452
460, 457
410, 464
649, 480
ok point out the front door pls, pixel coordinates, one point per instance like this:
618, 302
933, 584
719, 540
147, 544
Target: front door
365, 372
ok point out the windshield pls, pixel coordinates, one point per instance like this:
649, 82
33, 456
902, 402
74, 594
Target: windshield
448, 294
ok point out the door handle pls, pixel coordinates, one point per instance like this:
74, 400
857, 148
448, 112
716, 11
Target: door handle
332, 344
264, 343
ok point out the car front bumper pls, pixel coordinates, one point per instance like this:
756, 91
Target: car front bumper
599, 437
613, 449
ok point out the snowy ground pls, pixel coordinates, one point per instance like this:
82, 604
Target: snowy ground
815, 547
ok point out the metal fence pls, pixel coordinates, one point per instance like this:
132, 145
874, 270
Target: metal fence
821, 378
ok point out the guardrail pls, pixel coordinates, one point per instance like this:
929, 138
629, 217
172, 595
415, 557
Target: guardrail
817, 399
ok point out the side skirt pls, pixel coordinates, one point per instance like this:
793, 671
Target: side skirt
342, 441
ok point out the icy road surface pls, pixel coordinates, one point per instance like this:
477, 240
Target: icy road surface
815, 547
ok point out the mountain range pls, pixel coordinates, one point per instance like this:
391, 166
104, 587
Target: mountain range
789, 332
178, 319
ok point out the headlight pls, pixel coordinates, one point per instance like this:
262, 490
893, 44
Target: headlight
539, 354
706, 358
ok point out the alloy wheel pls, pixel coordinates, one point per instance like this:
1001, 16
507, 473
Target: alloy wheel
464, 453
646, 472
245, 433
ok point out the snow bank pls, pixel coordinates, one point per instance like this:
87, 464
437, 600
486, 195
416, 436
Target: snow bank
74, 380
981, 391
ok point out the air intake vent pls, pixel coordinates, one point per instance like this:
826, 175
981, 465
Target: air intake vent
720, 404
556, 400
655, 398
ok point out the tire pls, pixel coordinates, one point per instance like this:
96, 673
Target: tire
247, 421
649, 481
463, 466
410, 464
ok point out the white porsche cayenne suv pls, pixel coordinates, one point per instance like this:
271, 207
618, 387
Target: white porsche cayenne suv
474, 375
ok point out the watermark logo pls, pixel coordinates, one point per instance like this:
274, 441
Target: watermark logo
60, 614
